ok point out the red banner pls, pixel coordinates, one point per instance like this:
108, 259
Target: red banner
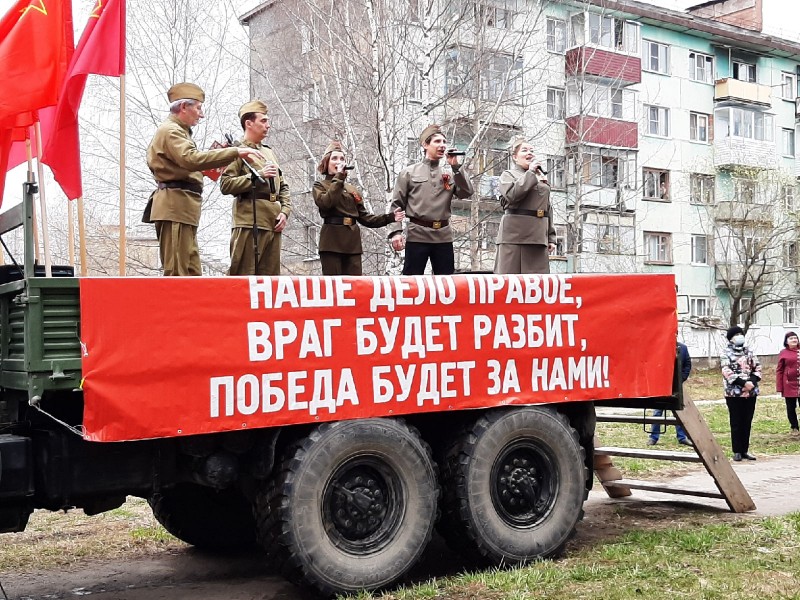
181, 356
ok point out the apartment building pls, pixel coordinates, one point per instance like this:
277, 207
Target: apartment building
668, 136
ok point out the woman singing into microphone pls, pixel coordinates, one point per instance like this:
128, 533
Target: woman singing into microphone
526, 236
341, 208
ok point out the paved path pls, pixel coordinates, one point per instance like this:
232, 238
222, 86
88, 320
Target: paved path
772, 482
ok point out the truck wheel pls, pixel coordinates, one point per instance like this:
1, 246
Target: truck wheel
212, 520
514, 487
353, 506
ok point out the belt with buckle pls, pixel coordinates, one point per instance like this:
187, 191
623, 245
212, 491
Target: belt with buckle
246, 197
186, 186
339, 221
528, 213
430, 224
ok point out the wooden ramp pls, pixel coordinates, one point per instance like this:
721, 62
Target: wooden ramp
706, 450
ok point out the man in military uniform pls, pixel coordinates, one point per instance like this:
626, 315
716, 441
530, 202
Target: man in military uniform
425, 191
176, 164
272, 204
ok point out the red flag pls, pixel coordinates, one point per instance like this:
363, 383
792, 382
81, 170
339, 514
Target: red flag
101, 51
35, 48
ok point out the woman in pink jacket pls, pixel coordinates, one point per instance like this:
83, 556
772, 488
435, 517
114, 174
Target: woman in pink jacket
788, 377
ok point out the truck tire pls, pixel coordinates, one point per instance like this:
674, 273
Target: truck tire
353, 506
514, 487
212, 520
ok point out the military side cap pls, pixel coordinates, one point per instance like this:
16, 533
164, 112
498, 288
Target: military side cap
254, 106
516, 142
429, 132
333, 147
186, 91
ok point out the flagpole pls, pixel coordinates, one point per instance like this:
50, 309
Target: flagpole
48, 270
71, 234
123, 237
82, 237
29, 153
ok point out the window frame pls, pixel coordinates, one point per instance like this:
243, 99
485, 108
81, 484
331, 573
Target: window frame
708, 65
560, 115
667, 247
789, 312
647, 57
789, 197
557, 169
791, 79
707, 186
312, 241
788, 138
695, 129
662, 177
694, 301
745, 196
662, 127
554, 35
699, 240
736, 71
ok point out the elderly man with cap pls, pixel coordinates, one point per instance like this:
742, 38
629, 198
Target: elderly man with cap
526, 235
272, 201
176, 164
425, 191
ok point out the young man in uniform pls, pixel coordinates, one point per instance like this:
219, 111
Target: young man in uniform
176, 164
272, 203
425, 191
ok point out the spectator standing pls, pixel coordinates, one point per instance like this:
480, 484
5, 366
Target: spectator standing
787, 377
680, 432
741, 373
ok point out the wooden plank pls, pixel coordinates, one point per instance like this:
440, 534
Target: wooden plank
653, 486
713, 457
642, 420
606, 472
648, 454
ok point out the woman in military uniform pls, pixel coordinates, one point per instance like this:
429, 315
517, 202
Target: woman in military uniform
342, 208
526, 235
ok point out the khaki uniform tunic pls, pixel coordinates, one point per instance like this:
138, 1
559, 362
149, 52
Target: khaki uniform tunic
236, 181
522, 239
420, 191
173, 157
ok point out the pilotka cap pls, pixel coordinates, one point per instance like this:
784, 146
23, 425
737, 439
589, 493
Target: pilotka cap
332, 147
254, 106
186, 91
429, 132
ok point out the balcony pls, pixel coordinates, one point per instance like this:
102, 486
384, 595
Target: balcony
731, 152
622, 69
601, 131
738, 212
732, 91
730, 276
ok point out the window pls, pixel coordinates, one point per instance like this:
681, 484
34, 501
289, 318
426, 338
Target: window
311, 172
556, 172
698, 307
744, 123
561, 240
310, 109
788, 192
790, 255
556, 35
555, 104
657, 247
601, 171
487, 234
701, 67
608, 239
787, 139
655, 57
614, 33
500, 75
600, 100
308, 41
788, 86
491, 161
312, 237
744, 72
657, 121
744, 191
700, 249
790, 311
701, 189
616, 104
656, 184
413, 150
415, 87
698, 127
494, 16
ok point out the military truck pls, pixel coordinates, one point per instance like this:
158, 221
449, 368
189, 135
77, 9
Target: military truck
334, 422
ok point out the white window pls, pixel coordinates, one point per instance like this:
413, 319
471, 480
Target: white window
787, 138
701, 67
614, 33
655, 57
556, 35
657, 121
308, 41
616, 104
744, 71
555, 104
601, 171
744, 123
312, 240
608, 239
415, 87
788, 86
657, 247
698, 306
310, 108
790, 255
497, 17
700, 249
745, 191
561, 240
556, 172
701, 189
788, 193
656, 184
790, 311
698, 127
413, 150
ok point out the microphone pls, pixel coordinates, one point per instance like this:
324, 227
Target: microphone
349, 167
542, 171
454, 152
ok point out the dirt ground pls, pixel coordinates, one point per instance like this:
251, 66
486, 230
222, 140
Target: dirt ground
174, 571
